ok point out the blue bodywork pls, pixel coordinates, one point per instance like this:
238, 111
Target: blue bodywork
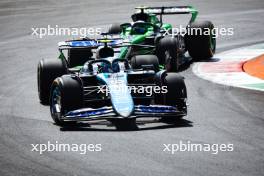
122, 103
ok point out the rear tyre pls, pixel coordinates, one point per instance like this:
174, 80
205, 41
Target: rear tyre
48, 70
66, 95
139, 60
114, 29
201, 45
78, 56
167, 52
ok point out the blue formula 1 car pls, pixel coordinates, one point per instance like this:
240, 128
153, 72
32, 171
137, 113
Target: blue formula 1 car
116, 90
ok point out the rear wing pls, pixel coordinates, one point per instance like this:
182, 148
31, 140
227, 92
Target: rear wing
170, 10
92, 44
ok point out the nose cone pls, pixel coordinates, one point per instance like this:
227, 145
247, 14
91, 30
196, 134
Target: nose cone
124, 112
123, 104
121, 99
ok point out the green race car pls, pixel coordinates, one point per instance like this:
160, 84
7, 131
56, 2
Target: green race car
151, 36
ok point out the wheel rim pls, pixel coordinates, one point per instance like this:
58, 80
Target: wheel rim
56, 102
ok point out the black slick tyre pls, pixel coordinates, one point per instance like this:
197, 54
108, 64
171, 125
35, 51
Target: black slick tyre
201, 45
66, 95
167, 52
48, 70
138, 61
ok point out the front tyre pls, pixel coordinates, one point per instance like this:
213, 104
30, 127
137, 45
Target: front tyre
66, 95
168, 53
176, 94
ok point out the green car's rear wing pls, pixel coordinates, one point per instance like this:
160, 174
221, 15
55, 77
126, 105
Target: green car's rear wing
170, 10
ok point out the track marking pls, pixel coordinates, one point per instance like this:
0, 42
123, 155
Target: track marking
228, 70
255, 67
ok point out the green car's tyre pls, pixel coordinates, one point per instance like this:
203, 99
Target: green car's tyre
66, 95
202, 44
139, 60
167, 52
48, 70
114, 29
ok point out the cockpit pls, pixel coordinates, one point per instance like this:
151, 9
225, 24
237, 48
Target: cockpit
107, 65
141, 27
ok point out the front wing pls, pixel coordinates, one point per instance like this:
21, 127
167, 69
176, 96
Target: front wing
87, 114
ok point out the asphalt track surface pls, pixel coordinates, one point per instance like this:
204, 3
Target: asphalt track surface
217, 114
